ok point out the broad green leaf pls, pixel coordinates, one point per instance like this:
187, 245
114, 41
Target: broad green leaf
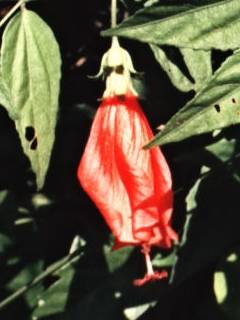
216, 106
30, 63
205, 27
178, 79
199, 64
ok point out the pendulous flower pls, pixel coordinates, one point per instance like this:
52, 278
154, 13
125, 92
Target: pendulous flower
131, 186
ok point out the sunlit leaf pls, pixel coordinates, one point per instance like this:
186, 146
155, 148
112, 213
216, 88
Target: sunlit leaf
215, 25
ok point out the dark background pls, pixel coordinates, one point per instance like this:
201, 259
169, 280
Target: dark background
69, 212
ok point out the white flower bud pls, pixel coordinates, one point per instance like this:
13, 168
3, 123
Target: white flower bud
119, 62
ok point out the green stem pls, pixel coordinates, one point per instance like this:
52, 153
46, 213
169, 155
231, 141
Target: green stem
11, 12
113, 13
67, 260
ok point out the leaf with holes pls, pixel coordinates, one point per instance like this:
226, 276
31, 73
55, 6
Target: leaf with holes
216, 106
203, 26
30, 64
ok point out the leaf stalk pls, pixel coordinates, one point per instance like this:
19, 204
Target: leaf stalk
11, 12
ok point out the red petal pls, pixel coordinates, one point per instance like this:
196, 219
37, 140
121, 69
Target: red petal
130, 186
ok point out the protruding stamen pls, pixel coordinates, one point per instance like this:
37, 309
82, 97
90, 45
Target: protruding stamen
151, 275
146, 251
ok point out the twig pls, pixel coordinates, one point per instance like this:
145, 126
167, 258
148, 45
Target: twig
67, 260
11, 12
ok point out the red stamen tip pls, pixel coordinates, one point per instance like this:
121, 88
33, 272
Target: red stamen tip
151, 275
150, 278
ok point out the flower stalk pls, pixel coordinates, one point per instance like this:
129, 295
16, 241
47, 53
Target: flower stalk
113, 13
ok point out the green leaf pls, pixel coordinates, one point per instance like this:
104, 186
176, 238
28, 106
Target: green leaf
163, 262
199, 65
25, 276
191, 203
205, 27
198, 62
178, 79
115, 259
216, 106
136, 312
30, 63
5, 96
223, 149
54, 300
226, 285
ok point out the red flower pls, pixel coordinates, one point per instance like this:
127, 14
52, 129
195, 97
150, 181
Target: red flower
130, 186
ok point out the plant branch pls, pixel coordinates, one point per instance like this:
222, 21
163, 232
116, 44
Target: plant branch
11, 12
67, 260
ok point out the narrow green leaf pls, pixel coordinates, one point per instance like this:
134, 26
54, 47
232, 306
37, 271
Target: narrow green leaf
199, 65
216, 106
191, 202
30, 64
205, 27
178, 79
